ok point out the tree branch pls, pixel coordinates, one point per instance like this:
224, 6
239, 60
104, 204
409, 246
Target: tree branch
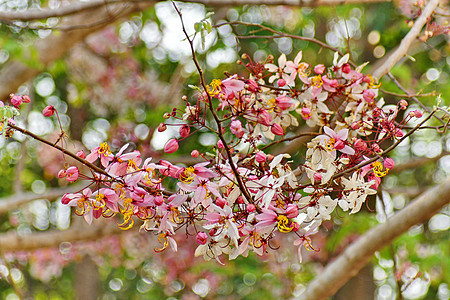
14, 201
358, 254
15, 242
78, 7
407, 40
55, 46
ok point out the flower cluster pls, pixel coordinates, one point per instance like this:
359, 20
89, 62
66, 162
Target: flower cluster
238, 199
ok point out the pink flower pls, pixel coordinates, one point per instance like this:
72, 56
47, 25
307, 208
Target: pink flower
195, 153
72, 174
319, 69
184, 130
260, 157
284, 102
277, 129
236, 128
201, 238
16, 100
336, 141
297, 67
291, 211
232, 85
360, 145
264, 117
306, 113
81, 154
49, 111
368, 96
171, 146
389, 163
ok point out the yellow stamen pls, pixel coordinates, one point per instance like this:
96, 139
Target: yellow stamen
104, 149
371, 84
317, 81
99, 202
283, 223
329, 144
188, 175
378, 169
214, 88
176, 216
162, 238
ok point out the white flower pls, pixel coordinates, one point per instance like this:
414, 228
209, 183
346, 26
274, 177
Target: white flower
355, 193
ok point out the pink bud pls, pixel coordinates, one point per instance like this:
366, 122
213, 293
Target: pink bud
171, 146
220, 144
162, 127
65, 199
221, 202
368, 95
251, 208
296, 226
201, 238
319, 69
236, 127
16, 100
195, 153
398, 132
376, 148
264, 117
418, 113
356, 125
72, 174
159, 200
184, 131
403, 104
360, 145
346, 68
49, 111
26, 99
260, 157
81, 154
339, 144
317, 177
240, 200
291, 211
281, 82
389, 163
62, 173
367, 79
284, 102
277, 129
306, 113
252, 86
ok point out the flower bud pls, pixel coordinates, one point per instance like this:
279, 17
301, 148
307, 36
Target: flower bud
360, 145
201, 238
398, 133
221, 202
260, 157
389, 163
339, 144
49, 111
62, 173
319, 69
281, 82
171, 146
403, 104
72, 174
184, 131
418, 113
166, 115
306, 113
317, 177
16, 100
252, 86
291, 211
251, 208
81, 154
346, 68
277, 129
264, 117
368, 95
284, 102
356, 125
195, 153
220, 144
162, 127
159, 200
26, 99
240, 200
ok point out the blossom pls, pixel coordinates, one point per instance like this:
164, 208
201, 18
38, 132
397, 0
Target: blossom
72, 174
49, 111
171, 146
279, 69
336, 141
297, 68
103, 152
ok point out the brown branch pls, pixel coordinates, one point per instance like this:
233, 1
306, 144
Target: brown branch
407, 40
79, 7
358, 254
15, 73
14, 201
14, 242
418, 162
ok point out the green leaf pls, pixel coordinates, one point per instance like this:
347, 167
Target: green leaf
198, 27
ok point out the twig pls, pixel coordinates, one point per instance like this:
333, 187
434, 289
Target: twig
406, 41
358, 254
